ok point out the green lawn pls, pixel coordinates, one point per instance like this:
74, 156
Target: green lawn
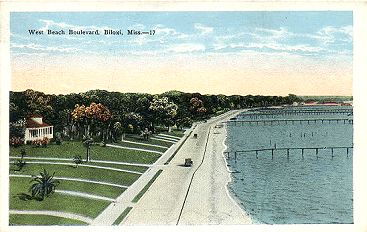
161, 149
42, 220
135, 138
112, 165
110, 176
56, 202
177, 133
90, 188
121, 166
70, 149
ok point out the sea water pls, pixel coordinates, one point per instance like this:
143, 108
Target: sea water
288, 189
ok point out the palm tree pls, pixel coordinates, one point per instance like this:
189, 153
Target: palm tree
87, 144
44, 186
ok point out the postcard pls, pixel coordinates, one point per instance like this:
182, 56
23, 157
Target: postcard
168, 115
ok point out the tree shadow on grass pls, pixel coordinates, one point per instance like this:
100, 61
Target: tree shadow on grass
27, 197
24, 196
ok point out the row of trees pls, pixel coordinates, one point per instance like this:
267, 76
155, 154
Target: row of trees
106, 115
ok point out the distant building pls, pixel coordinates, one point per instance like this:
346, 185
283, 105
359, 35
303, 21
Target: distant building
37, 129
331, 104
310, 103
347, 103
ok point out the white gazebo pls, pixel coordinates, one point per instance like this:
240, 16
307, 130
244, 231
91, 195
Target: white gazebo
37, 129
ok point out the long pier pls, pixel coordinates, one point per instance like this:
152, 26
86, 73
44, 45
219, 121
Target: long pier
286, 121
288, 149
302, 111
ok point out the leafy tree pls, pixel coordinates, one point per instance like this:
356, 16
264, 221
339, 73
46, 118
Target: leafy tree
44, 185
117, 130
91, 116
163, 110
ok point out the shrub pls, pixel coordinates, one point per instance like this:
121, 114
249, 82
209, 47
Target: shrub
20, 163
16, 141
77, 160
41, 142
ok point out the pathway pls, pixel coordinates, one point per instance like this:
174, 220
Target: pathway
145, 144
93, 161
134, 149
84, 195
85, 165
74, 179
53, 213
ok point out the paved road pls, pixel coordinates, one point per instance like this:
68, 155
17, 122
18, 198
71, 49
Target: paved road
164, 202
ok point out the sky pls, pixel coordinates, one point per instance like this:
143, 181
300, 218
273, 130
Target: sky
267, 53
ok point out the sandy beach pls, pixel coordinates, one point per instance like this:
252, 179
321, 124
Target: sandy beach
194, 195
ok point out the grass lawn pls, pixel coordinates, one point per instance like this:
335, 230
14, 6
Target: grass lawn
42, 220
177, 133
110, 176
69, 149
90, 188
111, 165
56, 202
161, 149
135, 138
121, 166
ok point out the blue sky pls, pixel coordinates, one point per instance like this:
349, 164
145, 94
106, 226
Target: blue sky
274, 53
302, 33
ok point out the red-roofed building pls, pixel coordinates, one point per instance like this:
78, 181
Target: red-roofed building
37, 129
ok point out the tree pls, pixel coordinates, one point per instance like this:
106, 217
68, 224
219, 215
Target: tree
44, 185
197, 107
117, 130
87, 142
88, 118
163, 110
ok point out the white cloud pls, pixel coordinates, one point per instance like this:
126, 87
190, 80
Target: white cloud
38, 47
161, 30
273, 34
186, 47
283, 47
204, 30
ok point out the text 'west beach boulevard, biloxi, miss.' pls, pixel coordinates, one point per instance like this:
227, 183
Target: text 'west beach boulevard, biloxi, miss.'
91, 32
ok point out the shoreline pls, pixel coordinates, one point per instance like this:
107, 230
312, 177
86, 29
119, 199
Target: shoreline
229, 192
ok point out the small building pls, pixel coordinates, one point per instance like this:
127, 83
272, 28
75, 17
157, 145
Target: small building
37, 129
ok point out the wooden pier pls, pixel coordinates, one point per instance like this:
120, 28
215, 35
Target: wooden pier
291, 121
287, 149
307, 111
284, 112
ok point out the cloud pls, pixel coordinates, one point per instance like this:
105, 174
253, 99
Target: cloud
37, 47
204, 30
161, 30
284, 47
186, 47
329, 34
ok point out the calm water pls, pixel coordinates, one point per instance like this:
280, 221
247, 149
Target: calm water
312, 189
